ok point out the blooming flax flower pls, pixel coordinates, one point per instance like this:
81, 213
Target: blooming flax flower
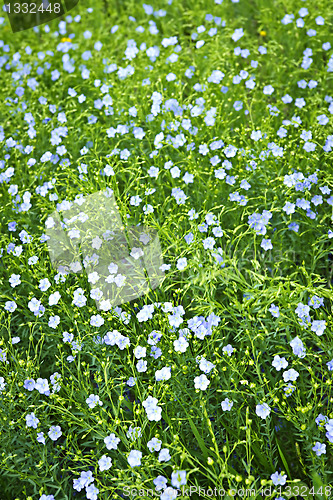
263, 410
226, 404
134, 458
32, 420
104, 463
93, 400
55, 432
111, 441
201, 382
279, 479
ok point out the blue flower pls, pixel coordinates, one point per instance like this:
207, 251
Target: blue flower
319, 448
322, 119
330, 365
318, 326
279, 479
274, 310
268, 90
298, 347
266, 244
263, 410
279, 363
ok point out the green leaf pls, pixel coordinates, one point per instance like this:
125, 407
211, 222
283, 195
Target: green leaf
199, 439
285, 463
319, 487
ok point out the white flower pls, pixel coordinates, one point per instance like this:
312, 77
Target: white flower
206, 366
42, 386
201, 382
54, 298
120, 280
140, 352
178, 478
123, 342
154, 444
111, 441
144, 238
113, 268
105, 305
31, 420
227, 405
208, 243
180, 345
154, 413
160, 483
163, 374
34, 304
279, 363
290, 375
152, 410
2, 384
75, 267
54, 321
134, 433
79, 298
14, 280
263, 410
93, 277
96, 293
104, 463
279, 478
164, 455
136, 253
150, 402
181, 263
111, 337
175, 320
141, 366
55, 432
96, 320
134, 458
93, 400
110, 278
135, 201
92, 492
83, 481
96, 243
49, 223
145, 313
74, 233
237, 34
40, 437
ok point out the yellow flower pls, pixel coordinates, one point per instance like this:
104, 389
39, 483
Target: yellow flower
64, 39
262, 33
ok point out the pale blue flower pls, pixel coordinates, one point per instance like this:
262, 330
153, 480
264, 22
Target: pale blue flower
93, 400
104, 463
55, 432
279, 479
178, 478
134, 458
154, 444
319, 448
226, 404
32, 420
263, 410
279, 363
